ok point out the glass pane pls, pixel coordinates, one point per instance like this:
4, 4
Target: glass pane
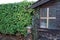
43, 23
52, 24
52, 11
43, 12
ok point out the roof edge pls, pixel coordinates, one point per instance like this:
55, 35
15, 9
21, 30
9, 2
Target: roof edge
38, 3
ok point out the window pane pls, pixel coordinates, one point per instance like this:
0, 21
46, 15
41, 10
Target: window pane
52, 24
52, 11
43, 12
43, 23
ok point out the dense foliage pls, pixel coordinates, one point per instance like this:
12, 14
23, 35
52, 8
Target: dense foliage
15, 17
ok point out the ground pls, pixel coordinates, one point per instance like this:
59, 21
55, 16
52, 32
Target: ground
11, 37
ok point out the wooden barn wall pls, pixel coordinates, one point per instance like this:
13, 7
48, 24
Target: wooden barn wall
58, 14
36, 18
55, 11
36, 23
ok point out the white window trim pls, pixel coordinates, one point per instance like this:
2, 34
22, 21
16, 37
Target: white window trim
47, 17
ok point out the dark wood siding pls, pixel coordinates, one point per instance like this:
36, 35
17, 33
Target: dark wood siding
36, 23
58, 14
43, 34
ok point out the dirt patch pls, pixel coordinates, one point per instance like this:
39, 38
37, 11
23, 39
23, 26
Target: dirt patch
11, 37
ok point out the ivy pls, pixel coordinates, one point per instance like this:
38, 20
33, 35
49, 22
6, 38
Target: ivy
15, 17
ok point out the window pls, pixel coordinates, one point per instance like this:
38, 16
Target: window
43, 23
47, 17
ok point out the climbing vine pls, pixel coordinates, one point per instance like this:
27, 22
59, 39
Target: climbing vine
15, 17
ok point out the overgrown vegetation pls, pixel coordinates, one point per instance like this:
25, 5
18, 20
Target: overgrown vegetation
15, 17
